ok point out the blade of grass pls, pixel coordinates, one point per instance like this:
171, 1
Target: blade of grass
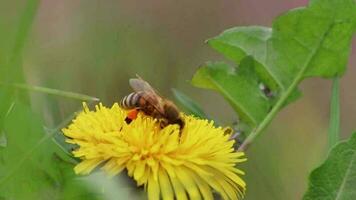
334, 124
14, 67
72, 95
24, 28
189, 105
11, 69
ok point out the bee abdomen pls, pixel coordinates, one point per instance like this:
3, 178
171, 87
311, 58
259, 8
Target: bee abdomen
130, 101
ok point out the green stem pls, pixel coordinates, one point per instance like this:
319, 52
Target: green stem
51, 91
257, 131
334, 125
14, 67
24, 28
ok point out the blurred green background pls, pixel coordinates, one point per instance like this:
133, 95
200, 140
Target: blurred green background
93, 47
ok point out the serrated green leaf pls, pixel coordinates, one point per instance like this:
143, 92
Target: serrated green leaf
335, 179
189, 105
239, 42
315, 40
239, 86
304, 42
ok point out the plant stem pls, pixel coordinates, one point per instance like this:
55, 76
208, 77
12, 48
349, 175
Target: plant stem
14, 67
56, 92
257, 131
334, 124
71, 95
270, 115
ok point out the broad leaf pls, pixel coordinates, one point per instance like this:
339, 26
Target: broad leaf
238, 85
335, 179
304, 42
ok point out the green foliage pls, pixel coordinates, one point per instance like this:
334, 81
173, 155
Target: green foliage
189, 105
334, 124
336, 177
32, 166
72, 95
239, 86
305, 42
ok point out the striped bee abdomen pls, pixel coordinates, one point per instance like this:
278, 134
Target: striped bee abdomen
130, 101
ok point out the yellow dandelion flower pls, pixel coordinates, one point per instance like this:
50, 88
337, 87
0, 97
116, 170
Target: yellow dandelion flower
169, 162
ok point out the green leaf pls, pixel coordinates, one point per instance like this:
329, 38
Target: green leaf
334, 124
304, 42
31, 165
240, 86
30, 162
73, 188
3, 139
12, 41
189, 104
72, 95
239, 42
13, 37
336, 177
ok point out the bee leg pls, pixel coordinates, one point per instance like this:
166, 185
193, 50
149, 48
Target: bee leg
235, 135
163, 123
181, 124
131, 115
128, 120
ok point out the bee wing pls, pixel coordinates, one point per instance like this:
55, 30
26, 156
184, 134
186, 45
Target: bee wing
139, 85
156, 101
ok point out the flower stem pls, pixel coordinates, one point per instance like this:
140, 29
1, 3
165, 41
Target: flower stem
334, 125
257, 131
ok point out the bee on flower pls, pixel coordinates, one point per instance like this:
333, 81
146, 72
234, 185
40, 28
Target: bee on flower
189, 159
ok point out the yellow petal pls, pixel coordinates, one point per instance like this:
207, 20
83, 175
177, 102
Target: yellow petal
203, 186
169, 162
87, 166
189, 184
178, 188
153, 188
140, 169
165, 185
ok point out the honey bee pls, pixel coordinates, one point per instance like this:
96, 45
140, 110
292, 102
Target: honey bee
146, 99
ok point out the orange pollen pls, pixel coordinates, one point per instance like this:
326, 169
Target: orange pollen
132, 114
